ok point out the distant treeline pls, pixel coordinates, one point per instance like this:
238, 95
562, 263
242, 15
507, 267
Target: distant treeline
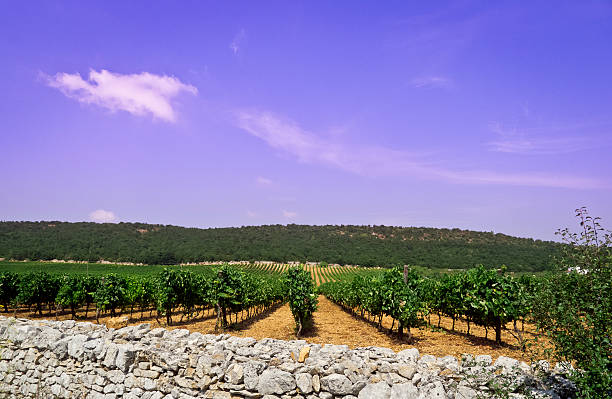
358, 245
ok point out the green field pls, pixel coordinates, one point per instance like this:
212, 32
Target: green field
94, 268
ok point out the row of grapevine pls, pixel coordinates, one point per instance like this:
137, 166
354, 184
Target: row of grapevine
302, 298
320, 274
229, 291
383, 294
480, 296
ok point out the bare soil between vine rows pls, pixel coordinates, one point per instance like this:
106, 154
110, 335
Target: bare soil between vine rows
333, 325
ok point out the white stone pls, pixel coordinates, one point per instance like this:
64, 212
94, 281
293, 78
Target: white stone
275, 381
380, 390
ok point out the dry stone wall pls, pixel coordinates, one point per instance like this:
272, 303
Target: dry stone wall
53, 359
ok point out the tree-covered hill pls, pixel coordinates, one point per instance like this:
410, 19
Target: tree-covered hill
362, 245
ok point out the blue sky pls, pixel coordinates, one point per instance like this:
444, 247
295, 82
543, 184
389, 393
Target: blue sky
492, 116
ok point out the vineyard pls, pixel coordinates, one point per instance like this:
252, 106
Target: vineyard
236, 293
479, 296
564, 316
319, 274
395, 300
229, 292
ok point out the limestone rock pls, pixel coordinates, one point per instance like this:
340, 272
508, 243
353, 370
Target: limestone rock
411, 355
336, 384
304, 352
507, 363
275, 381
304, 382
316, 383
434, 391
125, 356
406, 370
76, 345
404, 391
379, 390
483, 360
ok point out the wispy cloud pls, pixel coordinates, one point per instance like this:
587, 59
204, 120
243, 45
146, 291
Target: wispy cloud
262, 181
252, 214
515, 141
238, 41
139, 94
431, 82
289, 138
102, 216
289, 214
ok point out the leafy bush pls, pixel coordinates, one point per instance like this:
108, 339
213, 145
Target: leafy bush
143, 293
91, 285
402, 293
302, 299
382, 294
111, 294
228, 290
38, 288
492, 299
575, 308
72, 292
9, 288
176, 287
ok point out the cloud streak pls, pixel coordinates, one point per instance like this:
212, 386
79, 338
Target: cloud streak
238, 41
289, 138
263, 181
431, 82
513, 141
289, 214
139, 94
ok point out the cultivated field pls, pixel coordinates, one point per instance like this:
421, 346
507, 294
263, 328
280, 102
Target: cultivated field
332, 323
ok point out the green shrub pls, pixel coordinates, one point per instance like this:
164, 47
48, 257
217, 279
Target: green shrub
575, 307
72, 292
176, 287
111, 294
38, 288
228, 288
302, 299
9, 288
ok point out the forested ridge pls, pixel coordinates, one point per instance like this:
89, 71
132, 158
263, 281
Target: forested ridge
344, 244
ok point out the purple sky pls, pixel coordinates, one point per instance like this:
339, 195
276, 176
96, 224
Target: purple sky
492, 116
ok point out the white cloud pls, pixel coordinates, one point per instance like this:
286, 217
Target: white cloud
289, 214
102, 216
139, 94
252, 214
238, 41
430, 82
289, 138
262, 181
514, 141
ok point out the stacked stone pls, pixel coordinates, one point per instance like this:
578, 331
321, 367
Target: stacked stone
49, 359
